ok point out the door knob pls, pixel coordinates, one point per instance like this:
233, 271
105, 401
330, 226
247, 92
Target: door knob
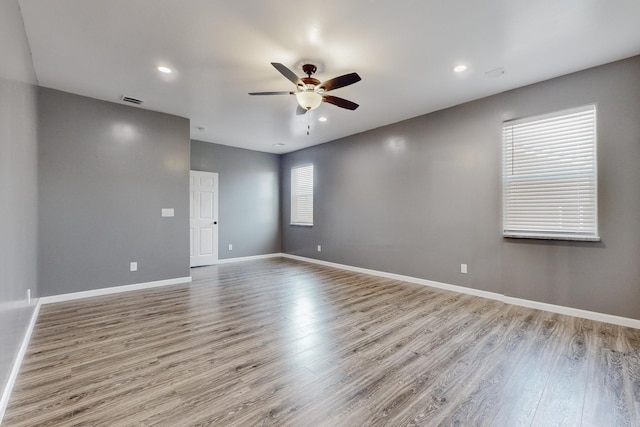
215, 222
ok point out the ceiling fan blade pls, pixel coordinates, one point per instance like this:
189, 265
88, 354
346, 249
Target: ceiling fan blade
340, 102
300, 111
272, 93
341, 81
288, 74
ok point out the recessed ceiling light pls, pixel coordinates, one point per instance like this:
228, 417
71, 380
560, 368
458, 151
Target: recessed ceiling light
164, 70
278, 145
459, 68
322, 119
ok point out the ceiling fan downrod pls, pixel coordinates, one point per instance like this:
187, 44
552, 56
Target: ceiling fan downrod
309, 69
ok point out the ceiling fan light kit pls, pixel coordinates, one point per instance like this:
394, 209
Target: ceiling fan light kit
310, 91
309, 100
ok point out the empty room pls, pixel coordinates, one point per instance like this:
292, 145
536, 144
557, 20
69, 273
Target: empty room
356, 213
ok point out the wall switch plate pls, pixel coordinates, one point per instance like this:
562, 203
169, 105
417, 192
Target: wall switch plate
230, 247
167, 212
319, 248
463, 268
28, 296
133, 266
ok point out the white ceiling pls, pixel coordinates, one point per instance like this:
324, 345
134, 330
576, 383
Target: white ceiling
404, 50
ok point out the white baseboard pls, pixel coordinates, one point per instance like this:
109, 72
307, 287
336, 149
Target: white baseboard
6, 393
576, 312
248, 258
424, 282
113, 290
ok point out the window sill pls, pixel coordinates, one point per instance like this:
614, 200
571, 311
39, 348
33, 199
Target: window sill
552, 237
301, 224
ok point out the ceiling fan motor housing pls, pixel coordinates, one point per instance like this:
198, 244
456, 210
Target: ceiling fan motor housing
310, 83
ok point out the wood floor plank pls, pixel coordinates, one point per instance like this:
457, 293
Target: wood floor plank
524, 388
562, 401
609, 396
286, 343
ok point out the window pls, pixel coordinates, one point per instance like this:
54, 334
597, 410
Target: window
302, 195
550, 176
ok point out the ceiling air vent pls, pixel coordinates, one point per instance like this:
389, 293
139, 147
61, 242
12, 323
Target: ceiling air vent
131, 100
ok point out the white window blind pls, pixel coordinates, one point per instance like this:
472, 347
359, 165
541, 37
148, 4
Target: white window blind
302, 195
550, 176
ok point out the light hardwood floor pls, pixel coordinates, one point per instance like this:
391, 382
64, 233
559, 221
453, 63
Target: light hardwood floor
280, 342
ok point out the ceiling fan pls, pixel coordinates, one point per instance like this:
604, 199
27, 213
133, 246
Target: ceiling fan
311, 92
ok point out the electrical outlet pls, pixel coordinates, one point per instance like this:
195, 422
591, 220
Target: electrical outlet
230, 247
463, 268
133, 266
319, 248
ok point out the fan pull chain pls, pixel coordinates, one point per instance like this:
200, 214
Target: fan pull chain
308, 125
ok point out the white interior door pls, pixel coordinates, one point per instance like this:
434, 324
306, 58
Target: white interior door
204, 218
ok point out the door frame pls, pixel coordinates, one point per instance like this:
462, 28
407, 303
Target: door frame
215, 214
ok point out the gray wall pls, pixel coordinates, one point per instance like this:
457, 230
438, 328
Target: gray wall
422, 196
249, 197
18, 186
106, 171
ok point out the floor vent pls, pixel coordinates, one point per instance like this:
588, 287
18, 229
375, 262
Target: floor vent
131, 100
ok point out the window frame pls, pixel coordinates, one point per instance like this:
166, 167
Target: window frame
294, 219
544, 173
